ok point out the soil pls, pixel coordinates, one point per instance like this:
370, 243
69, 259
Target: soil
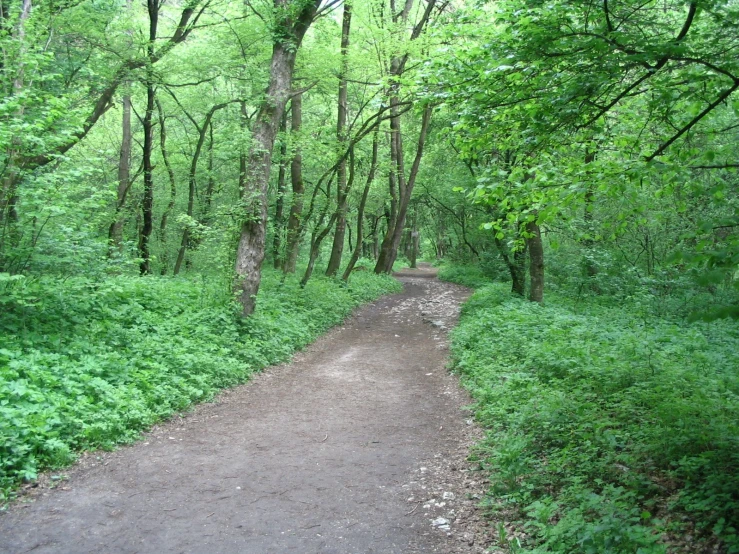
358, 445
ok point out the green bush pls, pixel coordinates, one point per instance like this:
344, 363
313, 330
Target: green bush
605, 425
466, 275
88, 364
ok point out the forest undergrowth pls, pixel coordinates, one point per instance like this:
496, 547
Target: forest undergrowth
609, 428
87, 364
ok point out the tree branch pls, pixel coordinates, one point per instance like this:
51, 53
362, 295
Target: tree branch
723, 96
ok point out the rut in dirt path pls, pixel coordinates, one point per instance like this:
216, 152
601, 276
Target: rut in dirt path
356, 446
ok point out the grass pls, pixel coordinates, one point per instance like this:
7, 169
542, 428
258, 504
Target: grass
608, 429
90, 364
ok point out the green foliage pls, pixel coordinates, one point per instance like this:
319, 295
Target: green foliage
604, 425
467, 275
88, 364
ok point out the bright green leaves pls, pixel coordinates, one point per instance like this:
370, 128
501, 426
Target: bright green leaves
603, 424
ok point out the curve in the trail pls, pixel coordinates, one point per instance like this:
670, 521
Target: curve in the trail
343, 450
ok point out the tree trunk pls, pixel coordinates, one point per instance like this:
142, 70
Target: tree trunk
516, 264
192, 183
211, 186
390, 245
342, 189
536, 262
415, 241
115, 233
279, 226
360, 213
591, 269
250, 252
296, 178
147, 203
315, 246
242, 154
172, 189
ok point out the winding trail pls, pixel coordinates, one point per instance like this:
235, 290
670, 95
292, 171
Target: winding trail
356, 446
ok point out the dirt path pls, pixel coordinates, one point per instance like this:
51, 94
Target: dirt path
356, 446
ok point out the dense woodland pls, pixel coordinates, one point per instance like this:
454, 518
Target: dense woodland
191, 189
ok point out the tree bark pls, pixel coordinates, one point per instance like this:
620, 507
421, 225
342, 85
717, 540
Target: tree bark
515, 263
318, 233
192, 180
389, 249
415, 242
342, 189
591, 269
250, 252
360, 213
115, 233
147, 203
172, 189
315, 246
298, 186
277, 258
536, 262
242, 153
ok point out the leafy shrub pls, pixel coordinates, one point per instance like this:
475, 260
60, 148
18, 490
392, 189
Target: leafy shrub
86, 364
604, 425
466, 275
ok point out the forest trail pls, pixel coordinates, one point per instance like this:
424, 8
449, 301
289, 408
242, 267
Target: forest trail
356, 446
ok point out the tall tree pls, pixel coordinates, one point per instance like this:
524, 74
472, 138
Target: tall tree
147, 203
292, 20
298, 188
398, 178
342, 192
362, 205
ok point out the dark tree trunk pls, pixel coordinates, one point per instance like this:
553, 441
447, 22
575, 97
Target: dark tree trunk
172, 189
211, 186
242, 154
115, 233
391, 242
296, 178
389, 247
315, 246
518, 273
591, 269
383, 251
279, 227
516, 264
360, 213
536, 262
342, 189
147, 203
192, 180
250, 253
415, 241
